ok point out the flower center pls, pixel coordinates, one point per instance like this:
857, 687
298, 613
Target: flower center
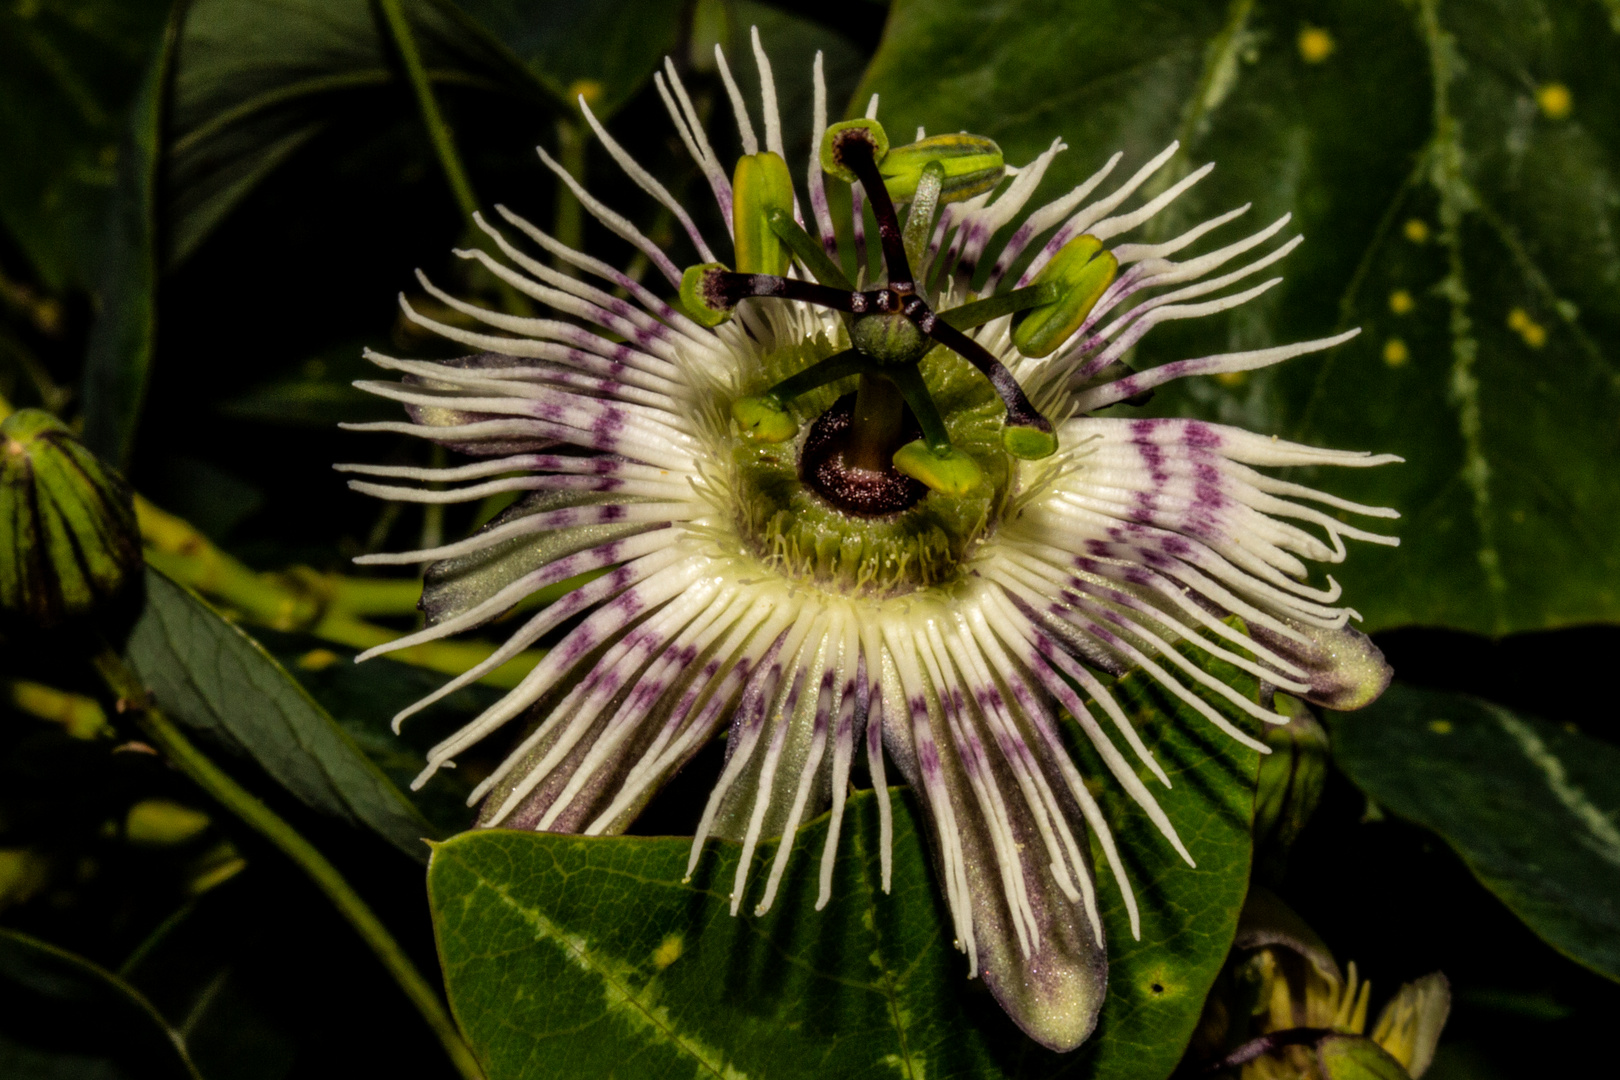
829, 508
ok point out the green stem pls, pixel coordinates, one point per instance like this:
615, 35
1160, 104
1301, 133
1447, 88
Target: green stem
444, 143
162, 733
875, 428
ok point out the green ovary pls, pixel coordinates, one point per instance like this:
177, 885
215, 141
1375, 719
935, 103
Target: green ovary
791, 527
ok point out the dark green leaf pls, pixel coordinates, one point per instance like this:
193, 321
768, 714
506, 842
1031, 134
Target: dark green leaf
65, 1018
118, 356
1531, 807
589, 957
215, 679
1503, 388
257, 79
363, 699
68, 71
604, 51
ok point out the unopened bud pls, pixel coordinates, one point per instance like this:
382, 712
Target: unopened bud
1081, 271
760, 184
972, 165
68, 537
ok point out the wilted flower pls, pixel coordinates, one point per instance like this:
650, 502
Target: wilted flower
1307, 1016
834, 502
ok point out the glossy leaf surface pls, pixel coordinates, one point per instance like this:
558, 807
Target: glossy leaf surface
1454, 167
590, 958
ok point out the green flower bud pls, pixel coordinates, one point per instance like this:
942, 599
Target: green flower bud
972, 164
699, 298
759, 185
832, 143
764, 420
67, 523
953, 472
1081, 270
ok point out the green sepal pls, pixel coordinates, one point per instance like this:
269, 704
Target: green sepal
763, 419
949, 472
1028, 442
760, 184
831, 162
1081, 271
68, 537
696, 295
972, 165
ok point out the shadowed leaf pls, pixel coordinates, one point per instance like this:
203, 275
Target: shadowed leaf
1532, 808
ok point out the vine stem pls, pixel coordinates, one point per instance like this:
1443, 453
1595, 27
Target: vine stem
444, 142
133, 699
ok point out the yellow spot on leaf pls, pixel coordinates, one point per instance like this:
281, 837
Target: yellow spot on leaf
1555, 101
317, 659
1440, 727
1416, 230
1533, 333
668, 952
1395, 352
1400, 302
1232, 378
1315, 44
589, 89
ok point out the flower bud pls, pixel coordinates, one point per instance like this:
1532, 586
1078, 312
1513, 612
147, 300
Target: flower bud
972, 164
1081, 270
759, 185
67, 523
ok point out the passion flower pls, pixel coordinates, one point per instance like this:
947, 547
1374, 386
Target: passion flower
831, 503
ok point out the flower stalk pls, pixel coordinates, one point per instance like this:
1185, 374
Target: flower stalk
135, 702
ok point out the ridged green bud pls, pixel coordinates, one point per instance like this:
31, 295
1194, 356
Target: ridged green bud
68, 537
760, 184
697, 295
972, 164
832, 160
1081, 271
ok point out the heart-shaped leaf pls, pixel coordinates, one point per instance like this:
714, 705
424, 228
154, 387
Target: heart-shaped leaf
1454, 168
591, 958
